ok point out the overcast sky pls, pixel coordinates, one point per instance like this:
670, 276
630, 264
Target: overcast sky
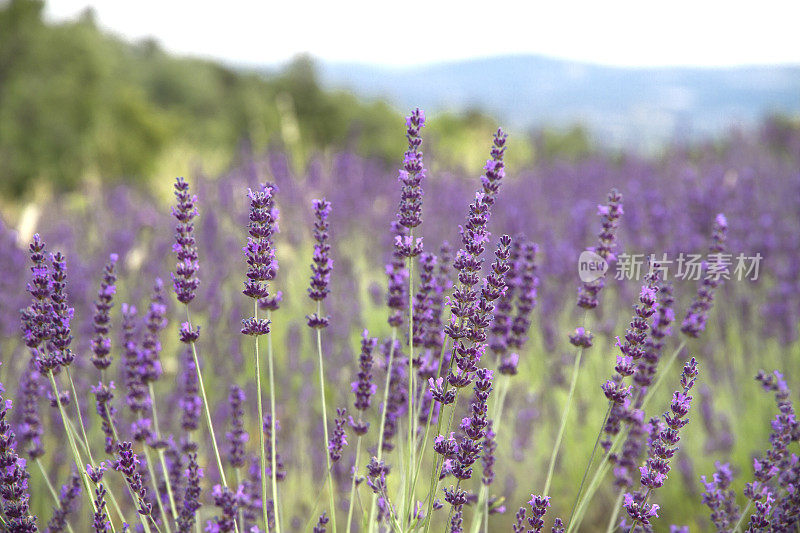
612, 32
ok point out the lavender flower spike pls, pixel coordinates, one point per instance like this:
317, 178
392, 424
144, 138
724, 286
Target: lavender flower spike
322, 263
185, 281
610, 215
261, 269
339, 438
101, 343
237, 437
363, 388
317, 291
411, 175
69, 493
662, 449
191, 498
14, 495
259, 254
697, 315
61, 313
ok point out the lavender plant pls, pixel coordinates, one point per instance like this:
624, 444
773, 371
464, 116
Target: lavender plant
434, 392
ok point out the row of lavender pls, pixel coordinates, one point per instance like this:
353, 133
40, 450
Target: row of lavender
433, 362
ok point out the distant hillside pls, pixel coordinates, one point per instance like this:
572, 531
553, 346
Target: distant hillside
622, 106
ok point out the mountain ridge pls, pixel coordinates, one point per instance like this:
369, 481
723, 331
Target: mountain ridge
619, 105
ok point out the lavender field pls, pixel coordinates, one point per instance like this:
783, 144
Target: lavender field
358, 346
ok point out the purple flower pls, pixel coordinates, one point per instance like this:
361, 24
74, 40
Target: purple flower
423, 299
470, 345
495, 167
104, 395
321, 523
632, 350
101, 343
100, 517
228, 503
137, 398
777, 462
720, 498
36, 319
189, 402
259, 251
339, 437
69, 494
191, 497
640, 511
188, 334
487, 457
440, 393
13, 477
654, 343
184, 279
266, 427
409, 212
126, 465
155, 322
610, 215
539, 505
237, 437
61, 313
662, 448
397, 273
322, 263
581, 338
474, 427
30, 431
363, 387
697, 314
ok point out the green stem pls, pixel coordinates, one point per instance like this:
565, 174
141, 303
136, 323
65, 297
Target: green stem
273, 436
602, 467
565, 413
739, 524
50, 488
409, 503
205, 404
383, 420
161, 457
589, 464
75, 453
262, 446
353, 482
615, 513
154, 482
109, 493
325, 421
564, 416
238, 472
80, 416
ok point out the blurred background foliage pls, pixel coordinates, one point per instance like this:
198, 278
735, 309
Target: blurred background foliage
77, 103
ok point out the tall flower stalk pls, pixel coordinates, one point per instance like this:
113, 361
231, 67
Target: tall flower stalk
317, 291
409, 215
662, 449
261, 269
363, 389
588, 299
39, 322
185, 283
